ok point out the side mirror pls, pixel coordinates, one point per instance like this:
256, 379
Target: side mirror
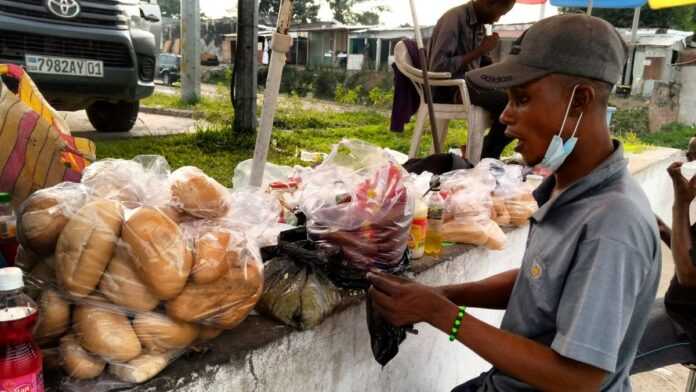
152, 18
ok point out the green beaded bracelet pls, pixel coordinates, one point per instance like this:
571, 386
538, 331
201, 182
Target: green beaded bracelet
457, 323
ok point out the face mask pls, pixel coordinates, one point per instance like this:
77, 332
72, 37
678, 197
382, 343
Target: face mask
558, 151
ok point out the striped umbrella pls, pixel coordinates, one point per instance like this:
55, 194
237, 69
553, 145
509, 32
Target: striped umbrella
660, 4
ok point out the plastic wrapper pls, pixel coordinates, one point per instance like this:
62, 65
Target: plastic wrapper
357, 199
297, 291
468, 205
513, 203
128, 275
384, 337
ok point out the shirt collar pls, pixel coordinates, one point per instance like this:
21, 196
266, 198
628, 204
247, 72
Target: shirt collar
614, 165
471, 18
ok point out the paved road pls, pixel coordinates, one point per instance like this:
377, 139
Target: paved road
147, 125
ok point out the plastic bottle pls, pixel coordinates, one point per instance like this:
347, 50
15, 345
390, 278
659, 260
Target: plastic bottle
436, 209
8, 230
21, 363
416, 242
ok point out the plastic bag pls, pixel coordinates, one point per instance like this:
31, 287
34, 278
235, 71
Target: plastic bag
468, 205
297, 292
357, 199
38, 150
384, 337
155, 278
513, 203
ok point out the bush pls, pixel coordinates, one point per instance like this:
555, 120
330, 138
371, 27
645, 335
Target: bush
326, 82
381, 98
627, 121
348, 96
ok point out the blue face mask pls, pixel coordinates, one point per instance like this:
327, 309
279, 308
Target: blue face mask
558, 151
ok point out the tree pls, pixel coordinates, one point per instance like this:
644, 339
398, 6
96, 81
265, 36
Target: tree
304, 11
678, 18
343, 12
170, 7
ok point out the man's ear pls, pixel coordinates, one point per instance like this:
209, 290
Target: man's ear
585, 96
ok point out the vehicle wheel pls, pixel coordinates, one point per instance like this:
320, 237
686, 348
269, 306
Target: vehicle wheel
113, 117
167, 79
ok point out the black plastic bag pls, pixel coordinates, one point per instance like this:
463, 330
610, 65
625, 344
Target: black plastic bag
384, 337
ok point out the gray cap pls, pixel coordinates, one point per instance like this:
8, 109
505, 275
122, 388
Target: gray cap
571, 44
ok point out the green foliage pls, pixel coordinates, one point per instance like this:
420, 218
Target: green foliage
303, 11
673, 135
630, 121
170, 7
348, 96
381, 98
325, 83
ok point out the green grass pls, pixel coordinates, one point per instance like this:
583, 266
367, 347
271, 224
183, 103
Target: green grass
213, 109
673, 135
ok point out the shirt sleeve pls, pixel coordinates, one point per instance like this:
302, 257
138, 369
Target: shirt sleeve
443, 50
598, 301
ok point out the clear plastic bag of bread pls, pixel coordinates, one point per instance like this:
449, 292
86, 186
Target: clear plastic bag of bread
358, 199
257, 213
468, 206
513, 203
198, 195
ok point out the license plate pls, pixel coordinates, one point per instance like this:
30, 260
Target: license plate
64, 66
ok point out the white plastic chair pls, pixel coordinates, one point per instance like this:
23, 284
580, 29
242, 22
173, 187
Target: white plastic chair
478, 118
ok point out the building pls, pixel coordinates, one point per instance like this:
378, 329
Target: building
373, 47
322, 43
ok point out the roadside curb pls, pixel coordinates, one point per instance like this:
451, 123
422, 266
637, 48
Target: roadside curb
183, 113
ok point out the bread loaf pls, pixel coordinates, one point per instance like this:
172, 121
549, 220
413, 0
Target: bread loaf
77, 362
521, 208
42, 275
122, 285
207, 333
54, 318
496, 237
106, 332
116, 179
212, 255
159, 251
142, 368
43, 216
225, 302
502, 216
464, 232
197, 194
86, 245
158, 333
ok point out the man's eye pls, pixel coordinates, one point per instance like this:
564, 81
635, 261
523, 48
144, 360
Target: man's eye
521, 99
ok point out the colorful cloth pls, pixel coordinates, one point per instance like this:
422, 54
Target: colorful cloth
36, 148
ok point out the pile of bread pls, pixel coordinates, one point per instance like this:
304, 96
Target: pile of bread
134, 266
480, 201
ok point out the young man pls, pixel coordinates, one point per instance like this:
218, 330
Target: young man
670, 337
458, 45
578, 305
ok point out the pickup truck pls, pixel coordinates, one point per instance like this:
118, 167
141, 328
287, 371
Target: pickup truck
98, 55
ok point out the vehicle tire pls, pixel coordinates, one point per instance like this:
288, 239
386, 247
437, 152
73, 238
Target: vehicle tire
167, 79
113, 117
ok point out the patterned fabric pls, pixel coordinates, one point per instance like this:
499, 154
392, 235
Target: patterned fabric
36, 148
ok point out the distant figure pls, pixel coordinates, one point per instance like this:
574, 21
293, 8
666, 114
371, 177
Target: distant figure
458, 45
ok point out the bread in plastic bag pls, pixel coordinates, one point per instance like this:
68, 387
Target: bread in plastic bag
86, 245
367, 212
122, 284
142, 368
44, 214
117, 179
197, 194
160, 334
513, 203
468, 206
55, 317
78, 362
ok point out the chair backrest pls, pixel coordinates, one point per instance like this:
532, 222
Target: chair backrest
405, 64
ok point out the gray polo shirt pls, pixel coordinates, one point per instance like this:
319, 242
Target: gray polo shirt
589, 274
456, 33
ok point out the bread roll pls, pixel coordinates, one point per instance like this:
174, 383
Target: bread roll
159, 251
496, 237
43, 216
116, 179
77, 362
464, 232
40, 277
122, 285
54, 317
158, 333
142, 368
521, 208
106, 332
197, 194
212, 255
225, 302
86, 245
26, 259
502, 216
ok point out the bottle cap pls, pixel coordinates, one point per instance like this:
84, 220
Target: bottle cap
11, 278
5, 197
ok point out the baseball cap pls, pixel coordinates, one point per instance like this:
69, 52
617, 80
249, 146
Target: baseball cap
570, 44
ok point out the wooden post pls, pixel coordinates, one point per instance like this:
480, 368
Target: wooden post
280, 45
190, 51
246, 67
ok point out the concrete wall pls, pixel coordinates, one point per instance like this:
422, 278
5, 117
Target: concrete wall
336, 356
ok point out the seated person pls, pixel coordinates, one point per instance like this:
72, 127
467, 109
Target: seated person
459, 44
670, 336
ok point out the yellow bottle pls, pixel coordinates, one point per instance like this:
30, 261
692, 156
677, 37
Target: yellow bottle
416, 242
433, 237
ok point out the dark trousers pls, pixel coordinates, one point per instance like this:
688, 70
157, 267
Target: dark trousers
494, 101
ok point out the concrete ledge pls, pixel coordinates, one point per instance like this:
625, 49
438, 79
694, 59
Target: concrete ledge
183, 113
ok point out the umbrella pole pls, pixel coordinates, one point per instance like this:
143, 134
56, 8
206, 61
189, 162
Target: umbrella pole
589, 8
426, 82
280, 46
542, 11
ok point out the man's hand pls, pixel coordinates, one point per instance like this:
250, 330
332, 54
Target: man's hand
404, 302
489, 43
684, 190
665, 231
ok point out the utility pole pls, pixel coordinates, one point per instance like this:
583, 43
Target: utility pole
245, 67
190, 50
